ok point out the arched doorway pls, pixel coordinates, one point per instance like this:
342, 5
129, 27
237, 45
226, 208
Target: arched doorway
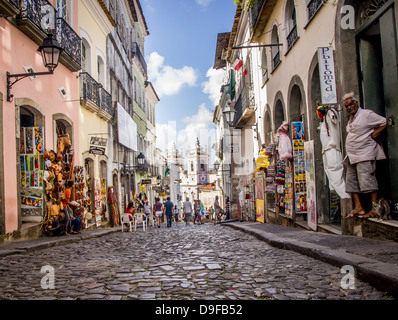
31, 142
267, 126
279, 114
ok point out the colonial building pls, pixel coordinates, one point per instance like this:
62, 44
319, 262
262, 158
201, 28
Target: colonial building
34, 110
300, 55
96, 112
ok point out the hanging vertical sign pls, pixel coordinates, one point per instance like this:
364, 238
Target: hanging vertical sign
327, 75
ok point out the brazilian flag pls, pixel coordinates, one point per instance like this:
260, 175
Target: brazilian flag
232, 83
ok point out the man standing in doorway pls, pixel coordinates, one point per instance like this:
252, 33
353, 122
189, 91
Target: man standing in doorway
169, 210
363, 127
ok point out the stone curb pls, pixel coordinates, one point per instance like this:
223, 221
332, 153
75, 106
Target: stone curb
381, 275
31, 246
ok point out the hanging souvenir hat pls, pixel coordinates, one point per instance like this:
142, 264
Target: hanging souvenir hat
321, 111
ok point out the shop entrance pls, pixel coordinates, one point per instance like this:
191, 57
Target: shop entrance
376, 44
31, 160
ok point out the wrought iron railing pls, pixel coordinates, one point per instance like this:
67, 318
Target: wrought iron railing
137, 52
89, 88
105, 99
69, 41
312, 8
41, 13
292, 37
276, 60
255, 11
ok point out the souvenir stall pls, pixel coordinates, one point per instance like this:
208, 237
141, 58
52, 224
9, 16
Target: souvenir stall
32, 171
283, 164
59, 169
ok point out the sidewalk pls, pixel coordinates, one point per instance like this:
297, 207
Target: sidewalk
26, 246
374, 261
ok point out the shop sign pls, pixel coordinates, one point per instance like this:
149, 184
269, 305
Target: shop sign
327, 75
146, 181
97, 146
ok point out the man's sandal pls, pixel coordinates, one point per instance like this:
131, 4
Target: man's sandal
355, 213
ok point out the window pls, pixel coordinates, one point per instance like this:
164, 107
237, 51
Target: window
100, 70
86, 53
264, 65
290, 24
275, 52
313, 7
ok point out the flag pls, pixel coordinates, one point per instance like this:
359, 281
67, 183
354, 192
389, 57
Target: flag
232, 83
238, 64
244, 72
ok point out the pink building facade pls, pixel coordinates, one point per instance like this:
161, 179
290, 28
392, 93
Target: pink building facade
41, 107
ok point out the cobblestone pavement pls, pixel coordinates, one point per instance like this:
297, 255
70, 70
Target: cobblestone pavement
182, 263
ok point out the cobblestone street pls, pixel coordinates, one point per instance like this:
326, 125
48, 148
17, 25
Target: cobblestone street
182, 262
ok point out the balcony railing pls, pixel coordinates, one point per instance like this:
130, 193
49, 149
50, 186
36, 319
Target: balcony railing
292, 37
276, 60
312, 8
92, 91
41, 13
69, 41
105, 101
137, 52
255, 11
89, 88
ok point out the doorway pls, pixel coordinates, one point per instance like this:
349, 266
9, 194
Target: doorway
377, 51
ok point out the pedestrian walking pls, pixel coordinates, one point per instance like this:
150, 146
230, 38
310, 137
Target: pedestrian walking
218, 210
196, 208
187, 207
158, 210
363, 149
227, 208
168, 209
147, 211
176, 214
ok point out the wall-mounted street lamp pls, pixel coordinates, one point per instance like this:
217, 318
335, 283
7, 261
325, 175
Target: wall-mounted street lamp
50, 51
229, 112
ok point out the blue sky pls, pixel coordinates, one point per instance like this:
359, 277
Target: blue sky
179, 51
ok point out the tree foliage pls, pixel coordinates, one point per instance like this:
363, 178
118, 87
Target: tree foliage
250, 4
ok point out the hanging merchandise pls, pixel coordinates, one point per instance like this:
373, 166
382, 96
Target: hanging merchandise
285, 144
300, 188
289, 193
32, 170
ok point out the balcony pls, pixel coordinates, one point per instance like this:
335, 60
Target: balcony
259, 16
36, 19
94, 97
70, 41
136, 52
244, 106
9, 7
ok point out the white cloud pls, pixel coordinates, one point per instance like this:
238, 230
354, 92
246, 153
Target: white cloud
198, 126
203, 3
213, 85
168, 80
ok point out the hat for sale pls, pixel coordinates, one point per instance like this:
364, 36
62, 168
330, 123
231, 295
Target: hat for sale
321, 112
